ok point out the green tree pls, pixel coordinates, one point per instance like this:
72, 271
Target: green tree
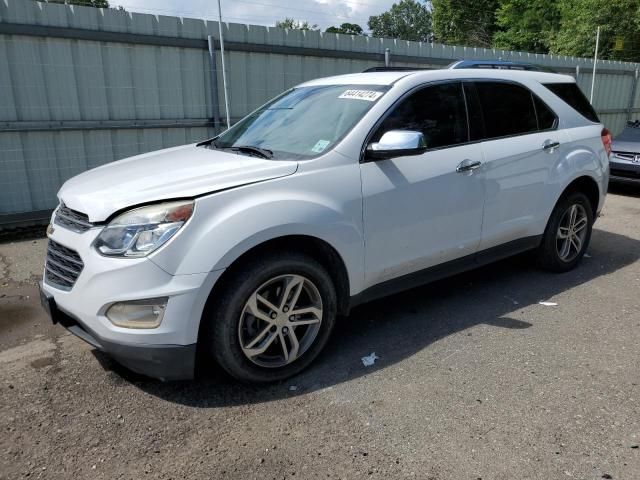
464, 22
84, 3
616, 18
292, 24
347, 29
529, 25
406, 20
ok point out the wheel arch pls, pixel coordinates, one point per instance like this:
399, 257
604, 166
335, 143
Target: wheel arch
586, 185
317, 248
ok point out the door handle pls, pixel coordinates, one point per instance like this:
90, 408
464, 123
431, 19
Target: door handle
468, 165
550, 145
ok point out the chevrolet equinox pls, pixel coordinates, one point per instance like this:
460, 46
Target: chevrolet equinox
244, 249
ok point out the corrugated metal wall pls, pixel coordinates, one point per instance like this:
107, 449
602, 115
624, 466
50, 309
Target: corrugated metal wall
80, 87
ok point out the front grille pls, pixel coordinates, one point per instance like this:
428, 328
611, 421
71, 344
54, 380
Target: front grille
626, 155
71, 219
63, 266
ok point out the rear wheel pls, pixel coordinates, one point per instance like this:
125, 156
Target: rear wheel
272, 318
567, 235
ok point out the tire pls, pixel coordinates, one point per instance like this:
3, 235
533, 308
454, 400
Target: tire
236, 318
552, 253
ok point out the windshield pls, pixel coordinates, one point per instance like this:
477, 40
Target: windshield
302, 122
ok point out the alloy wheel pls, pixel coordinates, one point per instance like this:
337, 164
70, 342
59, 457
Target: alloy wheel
280, 321
572, 232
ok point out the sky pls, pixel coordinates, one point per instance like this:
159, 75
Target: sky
324, 13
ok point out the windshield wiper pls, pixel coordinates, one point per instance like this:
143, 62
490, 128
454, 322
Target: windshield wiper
261, 152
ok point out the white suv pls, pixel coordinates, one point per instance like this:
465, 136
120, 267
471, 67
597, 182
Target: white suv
245, 248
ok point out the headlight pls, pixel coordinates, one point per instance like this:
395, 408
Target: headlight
139, 232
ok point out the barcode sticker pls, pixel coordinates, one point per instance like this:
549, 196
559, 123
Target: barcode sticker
368, 95
320, 146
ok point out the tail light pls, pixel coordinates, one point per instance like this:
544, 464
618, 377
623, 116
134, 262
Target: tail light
606, 140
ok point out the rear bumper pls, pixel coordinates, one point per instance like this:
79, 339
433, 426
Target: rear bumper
165, 362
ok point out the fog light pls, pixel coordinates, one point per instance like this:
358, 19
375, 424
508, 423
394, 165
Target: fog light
138, 313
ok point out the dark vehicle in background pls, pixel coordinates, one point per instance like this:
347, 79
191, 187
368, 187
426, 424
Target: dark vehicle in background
624, 162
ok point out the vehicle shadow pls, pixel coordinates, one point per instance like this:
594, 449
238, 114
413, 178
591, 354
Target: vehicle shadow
624, 189
397, 327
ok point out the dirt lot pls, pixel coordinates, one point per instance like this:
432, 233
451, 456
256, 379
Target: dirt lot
476, 380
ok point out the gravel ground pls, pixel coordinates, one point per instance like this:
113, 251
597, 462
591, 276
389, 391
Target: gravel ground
475, 380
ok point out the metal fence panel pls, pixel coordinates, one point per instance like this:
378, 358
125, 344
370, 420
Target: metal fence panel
81, 87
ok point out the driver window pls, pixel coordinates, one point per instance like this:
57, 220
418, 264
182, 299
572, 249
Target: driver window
438, 112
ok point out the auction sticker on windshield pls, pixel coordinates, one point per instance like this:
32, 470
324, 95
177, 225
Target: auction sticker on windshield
320, 146
368, 95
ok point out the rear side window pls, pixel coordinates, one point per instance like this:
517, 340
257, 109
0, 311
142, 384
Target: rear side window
508, 109
571, 94
546, 118
437, 111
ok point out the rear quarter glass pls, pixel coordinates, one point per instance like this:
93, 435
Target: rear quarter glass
571, 94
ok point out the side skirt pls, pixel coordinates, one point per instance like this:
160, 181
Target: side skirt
447, 269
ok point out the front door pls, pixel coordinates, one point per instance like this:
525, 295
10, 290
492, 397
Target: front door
420, 211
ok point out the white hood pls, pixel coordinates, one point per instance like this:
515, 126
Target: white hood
179, 172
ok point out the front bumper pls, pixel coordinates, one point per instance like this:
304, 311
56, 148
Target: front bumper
167, 351
165, 362
624, 171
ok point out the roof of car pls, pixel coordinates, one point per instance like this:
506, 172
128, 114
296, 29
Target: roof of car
391, 77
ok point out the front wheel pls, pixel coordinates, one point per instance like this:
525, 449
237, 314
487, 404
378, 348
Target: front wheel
567, 235
272, 318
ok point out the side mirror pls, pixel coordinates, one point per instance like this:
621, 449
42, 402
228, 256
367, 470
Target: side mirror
397, 143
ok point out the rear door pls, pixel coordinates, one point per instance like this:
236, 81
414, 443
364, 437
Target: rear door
521, 146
